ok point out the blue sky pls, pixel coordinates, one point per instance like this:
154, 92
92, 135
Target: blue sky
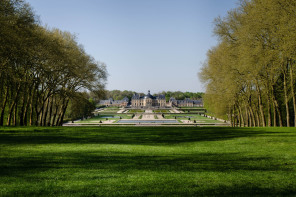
146, 44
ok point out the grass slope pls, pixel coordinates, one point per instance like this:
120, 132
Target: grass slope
144, 161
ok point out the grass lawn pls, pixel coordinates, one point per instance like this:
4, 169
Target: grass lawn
201, 108
192, 117
147, 161
161, 111
111, 110
103, 117
135, 110
192, 109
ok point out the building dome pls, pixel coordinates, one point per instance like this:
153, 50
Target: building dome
148, 95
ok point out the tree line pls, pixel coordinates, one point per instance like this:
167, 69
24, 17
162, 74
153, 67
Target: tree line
250, 74
118, 95
42, 70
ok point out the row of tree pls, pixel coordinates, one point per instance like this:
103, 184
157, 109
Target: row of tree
42, 70
118, 95
250, 74
182, 95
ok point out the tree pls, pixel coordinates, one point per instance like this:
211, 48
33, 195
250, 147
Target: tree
251, 71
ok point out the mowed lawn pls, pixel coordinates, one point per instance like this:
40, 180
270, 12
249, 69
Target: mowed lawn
147, 161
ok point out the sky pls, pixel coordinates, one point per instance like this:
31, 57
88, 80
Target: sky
157, 45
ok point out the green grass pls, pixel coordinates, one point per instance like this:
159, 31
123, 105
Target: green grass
135, 110
111, 110
147, 161
200, 108
198, 118
161, 111
102, 117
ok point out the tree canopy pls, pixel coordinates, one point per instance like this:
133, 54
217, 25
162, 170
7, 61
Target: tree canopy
41, 69
118, 95
249, 75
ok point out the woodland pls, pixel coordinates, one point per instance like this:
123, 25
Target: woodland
179, 95
43, 72
250, 74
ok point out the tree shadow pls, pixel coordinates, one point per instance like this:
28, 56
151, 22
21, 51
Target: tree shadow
27, 168
127, 135
39, 165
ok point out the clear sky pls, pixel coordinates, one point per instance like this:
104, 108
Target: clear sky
146, 44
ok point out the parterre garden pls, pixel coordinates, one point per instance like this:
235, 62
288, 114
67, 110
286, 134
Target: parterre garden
161, 111
106, 116
192, 117
147, 161
136, 110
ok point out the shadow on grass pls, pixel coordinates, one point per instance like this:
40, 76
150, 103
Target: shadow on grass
120, 166
119, 162
54, 166
125, 135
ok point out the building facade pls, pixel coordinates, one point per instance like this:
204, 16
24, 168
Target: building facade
185, 103
148, 100
116, 103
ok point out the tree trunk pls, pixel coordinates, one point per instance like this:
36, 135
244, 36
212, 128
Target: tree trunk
12, 106
23, 107
3, 107
279, 113
260, 105
274, 115
50, 111
276, 105
25, 114
268, 112
41, 113
286, 100
63, 112
15, 113
252, 117
247, 116
32, 108
54, 122
257, 118
45, 113
59, 115
292, 91
241, 116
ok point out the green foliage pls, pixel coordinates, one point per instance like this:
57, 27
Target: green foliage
161, 111
41, 70
249, 75
119, 95
141, 161
135, 110
182, 95
80, 107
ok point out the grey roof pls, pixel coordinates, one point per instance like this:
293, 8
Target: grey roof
103, 102
136, 96
111, 101
149, 95
125, 99
161, 96
197, 101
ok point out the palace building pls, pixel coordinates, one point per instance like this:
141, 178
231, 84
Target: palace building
148, 100
185, 103
116, 103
